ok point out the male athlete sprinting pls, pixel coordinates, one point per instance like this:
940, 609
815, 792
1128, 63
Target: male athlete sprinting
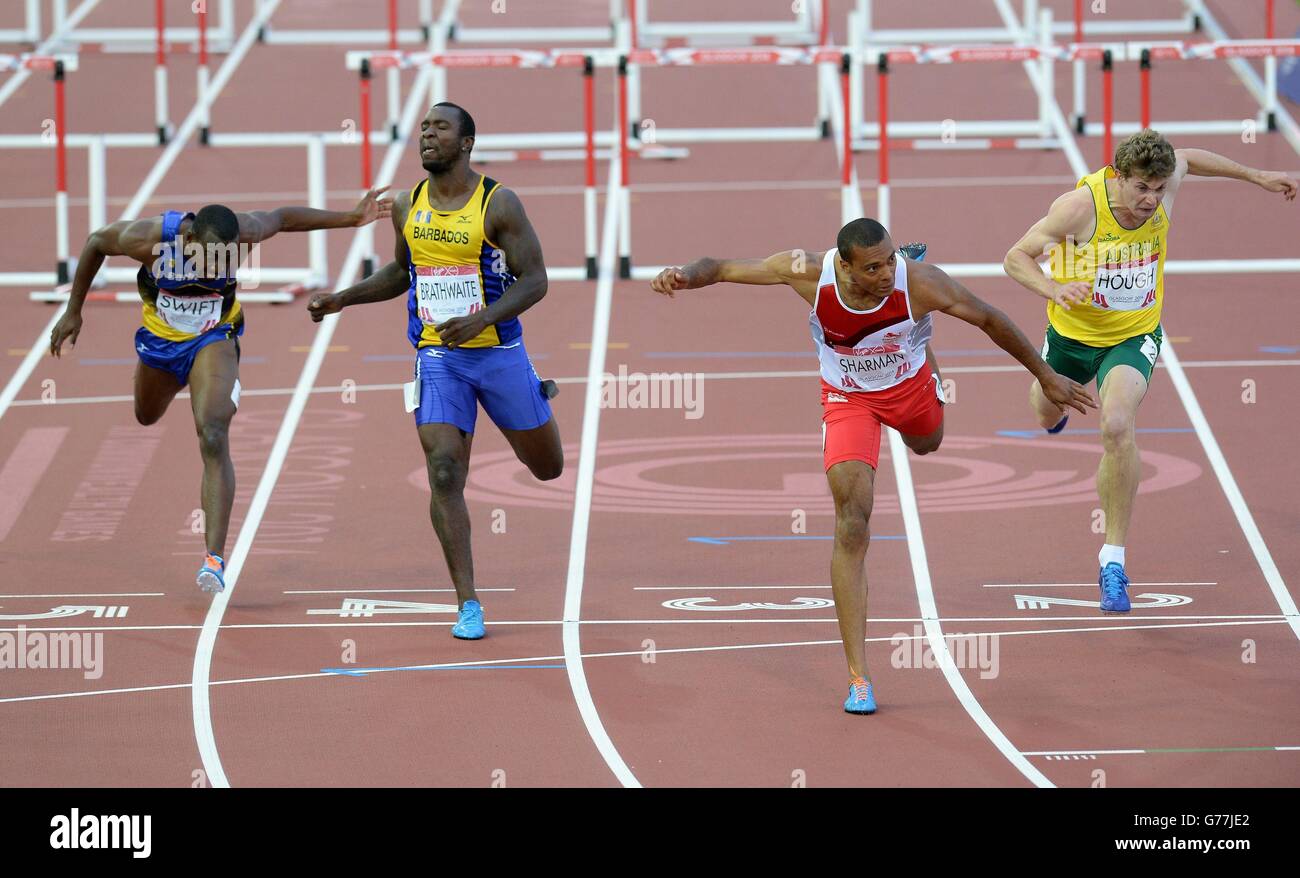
1107, 243
469, 262
871, 327
192, 323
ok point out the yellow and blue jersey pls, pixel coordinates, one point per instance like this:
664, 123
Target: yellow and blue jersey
180, 304
455, 269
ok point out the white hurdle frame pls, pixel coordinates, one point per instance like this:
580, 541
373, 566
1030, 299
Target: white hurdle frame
97, 147
807, 28
144, 39
386, 36
31, 31
1019, 133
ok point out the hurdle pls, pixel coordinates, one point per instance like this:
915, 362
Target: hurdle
1034, 28
1146, 54
365, 63
390, 36
823, 57
1197, 15
145, 39
1079, 27
808, 28
506, 35
31, 30
58, 66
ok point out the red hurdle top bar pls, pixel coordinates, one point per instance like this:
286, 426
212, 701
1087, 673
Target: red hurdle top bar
203, 34
793, 56
10, 63
160, 23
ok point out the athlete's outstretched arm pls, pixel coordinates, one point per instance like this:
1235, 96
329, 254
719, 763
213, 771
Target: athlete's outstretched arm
134, 238
388, 282
1203, 163
508, 227
259, 225
1065, 225
933, 290
795, 268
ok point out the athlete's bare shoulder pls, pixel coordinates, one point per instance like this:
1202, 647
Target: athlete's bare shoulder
505, 210
401, 208
138, 239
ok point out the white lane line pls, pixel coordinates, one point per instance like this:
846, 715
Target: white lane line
1101, 624
146, 190
916, 552
584, 485
590, 655
1219, 464
582, 379
93, 594
930, 613
1083, 584
383, 590
1157, 751
349, 195
723, 587
199, 695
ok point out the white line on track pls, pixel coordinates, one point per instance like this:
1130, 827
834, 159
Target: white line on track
93, 594
383, 590
199, 694
146, 190
1237, 502
582, 379
592, 655
701, 186
916, 551
1083, 584
1156, 751
1230, 490
1101, 623
584, 484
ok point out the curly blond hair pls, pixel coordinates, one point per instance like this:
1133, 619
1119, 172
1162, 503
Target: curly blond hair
1147, 155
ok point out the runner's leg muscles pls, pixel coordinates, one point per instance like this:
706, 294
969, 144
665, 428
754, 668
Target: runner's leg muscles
539, 449
446, 457
924, 444
154, 391
852, 483
1120, 470
1049, 414
212, 385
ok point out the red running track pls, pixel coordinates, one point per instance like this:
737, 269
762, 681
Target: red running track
677, 689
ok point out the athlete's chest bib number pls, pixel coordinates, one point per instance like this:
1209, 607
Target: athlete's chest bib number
192, 315
446, 291
1126, 287
873, 370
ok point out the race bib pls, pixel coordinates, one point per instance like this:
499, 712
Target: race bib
868, 371
193, 315
1126, 286
446, 291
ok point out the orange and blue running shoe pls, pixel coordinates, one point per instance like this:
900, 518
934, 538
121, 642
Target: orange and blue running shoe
861, 699
212, 574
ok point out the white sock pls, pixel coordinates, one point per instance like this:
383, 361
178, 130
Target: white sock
1111, 554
